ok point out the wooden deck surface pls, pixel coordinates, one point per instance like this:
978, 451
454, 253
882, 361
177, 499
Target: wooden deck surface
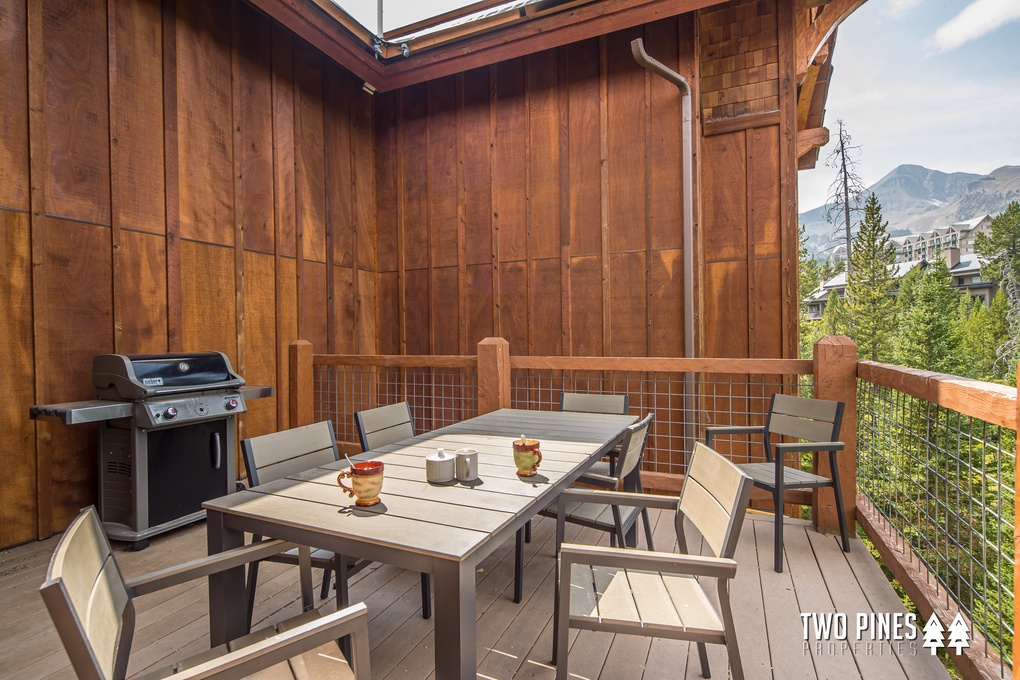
514, 641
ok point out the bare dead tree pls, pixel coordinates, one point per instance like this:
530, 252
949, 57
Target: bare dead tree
846, 191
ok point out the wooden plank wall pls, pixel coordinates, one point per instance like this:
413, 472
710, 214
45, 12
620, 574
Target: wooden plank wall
176, 175
538, 200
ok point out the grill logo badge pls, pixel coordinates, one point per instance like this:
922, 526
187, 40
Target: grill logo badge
152, 382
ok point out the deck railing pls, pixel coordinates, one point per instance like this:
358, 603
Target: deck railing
937, 485
934, 474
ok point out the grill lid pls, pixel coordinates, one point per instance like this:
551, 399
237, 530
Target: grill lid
136, 376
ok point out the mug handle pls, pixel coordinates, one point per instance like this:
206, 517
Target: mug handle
534, 468
339, 480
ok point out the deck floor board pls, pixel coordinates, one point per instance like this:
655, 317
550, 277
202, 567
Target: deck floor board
514, 641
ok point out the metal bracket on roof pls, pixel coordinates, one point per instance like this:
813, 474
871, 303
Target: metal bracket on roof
378, 44
377, 47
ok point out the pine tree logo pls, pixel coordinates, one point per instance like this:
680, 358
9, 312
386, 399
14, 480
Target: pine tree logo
933, 638
959, 634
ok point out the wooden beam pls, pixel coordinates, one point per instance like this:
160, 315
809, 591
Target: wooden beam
813, 29
811, 139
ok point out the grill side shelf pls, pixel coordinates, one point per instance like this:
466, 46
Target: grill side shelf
77, 412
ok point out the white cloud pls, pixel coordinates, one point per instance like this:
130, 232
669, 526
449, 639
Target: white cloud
978, 18
897, 8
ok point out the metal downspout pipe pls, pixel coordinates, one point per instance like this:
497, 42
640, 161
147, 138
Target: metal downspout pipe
637, 48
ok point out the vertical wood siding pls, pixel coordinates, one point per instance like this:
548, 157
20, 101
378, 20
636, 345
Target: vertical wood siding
185, 175
176, 175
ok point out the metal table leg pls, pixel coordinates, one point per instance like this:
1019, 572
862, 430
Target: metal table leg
454, 584
228, 601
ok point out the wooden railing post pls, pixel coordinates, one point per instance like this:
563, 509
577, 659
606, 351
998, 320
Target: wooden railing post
493, 375
300, 383
836, 380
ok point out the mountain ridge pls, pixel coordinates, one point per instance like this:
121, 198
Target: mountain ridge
916, 199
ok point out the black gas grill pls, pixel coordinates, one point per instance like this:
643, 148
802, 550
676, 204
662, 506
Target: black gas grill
166, 436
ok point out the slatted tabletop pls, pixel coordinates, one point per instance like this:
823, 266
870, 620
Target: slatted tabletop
443, 529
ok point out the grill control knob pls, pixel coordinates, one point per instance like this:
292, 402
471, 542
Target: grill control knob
170, 413
231, 404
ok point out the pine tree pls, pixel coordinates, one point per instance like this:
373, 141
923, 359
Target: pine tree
1001, 252
834, 318
977, 340
929, 335
870, 304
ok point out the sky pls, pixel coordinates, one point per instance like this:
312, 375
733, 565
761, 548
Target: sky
925, 82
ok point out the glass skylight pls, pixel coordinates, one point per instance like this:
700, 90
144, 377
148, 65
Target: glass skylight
397, 14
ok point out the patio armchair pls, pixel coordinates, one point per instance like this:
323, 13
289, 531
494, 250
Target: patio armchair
383, 426
274, 456
92, 607
612, 404
658, 594
815, 423
619, 521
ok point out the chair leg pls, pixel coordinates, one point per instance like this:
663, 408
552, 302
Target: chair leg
324, 590
778, 548
253, 577
840, 515
426, 595
343, 598
648, 528
519, 566
706, 672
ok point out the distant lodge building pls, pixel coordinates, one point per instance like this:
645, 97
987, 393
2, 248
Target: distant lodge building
954, 244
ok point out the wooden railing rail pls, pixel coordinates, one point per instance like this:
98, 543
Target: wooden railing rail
992, 403
666, 365
396, 360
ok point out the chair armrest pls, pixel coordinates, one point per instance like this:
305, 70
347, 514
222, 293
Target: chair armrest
808, 447
641, 500
596, 478
672, 563
273, 650
734, 429
204, 566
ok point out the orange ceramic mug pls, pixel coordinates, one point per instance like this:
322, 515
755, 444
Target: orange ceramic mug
366, 480
527, 456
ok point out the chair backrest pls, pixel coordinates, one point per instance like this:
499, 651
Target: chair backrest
594, 403
714, 497
813, 420
88, 601
274, 456
632, 451
384, 425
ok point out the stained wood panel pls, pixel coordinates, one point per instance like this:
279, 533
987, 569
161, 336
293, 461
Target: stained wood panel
586, 306
287, 332
768, 341
478, 303
254, 161
365, 311
208, 298
136, 116
76, 128
141, 326
73, 322
667, 306
513, 307
584, 149
284, 190
544, 155
413, 174
626, 145
345, 332
665, 186
474, 136
388, 313
510, 178
446, 318
442, 178
417, 320
312, 301
724, 197
763, 190
725, 330
339, 168
310, 161
17, 447
204, 115
363, 166
385, 131
628, 315
545, 320
260, 340
14, 90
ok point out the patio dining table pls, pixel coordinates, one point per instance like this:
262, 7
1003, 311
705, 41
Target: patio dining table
443, 529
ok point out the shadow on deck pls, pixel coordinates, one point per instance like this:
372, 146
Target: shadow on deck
514, 641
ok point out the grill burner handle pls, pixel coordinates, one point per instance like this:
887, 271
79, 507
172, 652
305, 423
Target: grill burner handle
216, 449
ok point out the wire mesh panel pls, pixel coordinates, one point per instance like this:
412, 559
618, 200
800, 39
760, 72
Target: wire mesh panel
684, 404
945, 483
438, 396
